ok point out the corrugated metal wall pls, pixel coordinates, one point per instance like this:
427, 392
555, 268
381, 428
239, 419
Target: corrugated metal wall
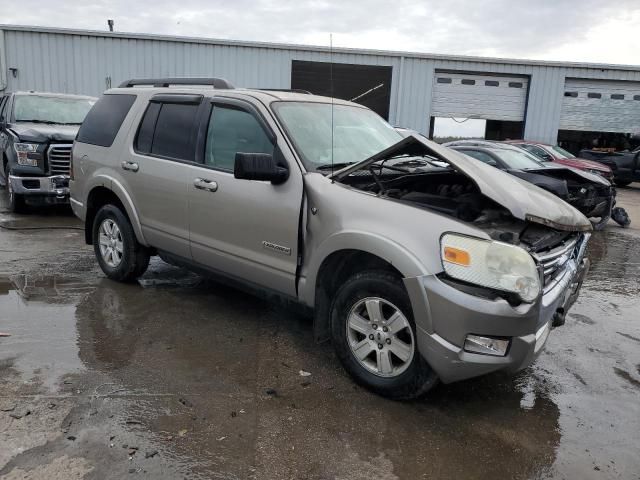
89, 62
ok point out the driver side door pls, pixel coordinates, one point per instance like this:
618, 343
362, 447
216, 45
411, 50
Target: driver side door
241, 228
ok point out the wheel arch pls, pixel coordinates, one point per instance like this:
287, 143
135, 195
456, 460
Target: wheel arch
112, 193
344, 255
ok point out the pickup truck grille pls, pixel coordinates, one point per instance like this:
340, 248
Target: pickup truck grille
554, 261
60, 158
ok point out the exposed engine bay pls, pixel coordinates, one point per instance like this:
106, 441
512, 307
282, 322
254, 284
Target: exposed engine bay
593, 199
451, 193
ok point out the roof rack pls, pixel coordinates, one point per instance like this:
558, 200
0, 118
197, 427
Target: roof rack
291, 90
220, 83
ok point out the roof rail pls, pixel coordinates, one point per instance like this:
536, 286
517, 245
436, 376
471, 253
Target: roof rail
291, 90
220, 83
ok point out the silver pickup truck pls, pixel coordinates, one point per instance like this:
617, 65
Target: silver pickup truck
418, 262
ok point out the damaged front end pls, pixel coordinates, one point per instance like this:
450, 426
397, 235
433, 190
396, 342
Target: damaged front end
507, 209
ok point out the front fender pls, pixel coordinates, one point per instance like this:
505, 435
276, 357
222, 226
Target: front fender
392, 252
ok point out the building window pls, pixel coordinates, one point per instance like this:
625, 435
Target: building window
636, 97
515, 84
467, 81
617, 96
571, 94
444, 80
491, 83
594, 95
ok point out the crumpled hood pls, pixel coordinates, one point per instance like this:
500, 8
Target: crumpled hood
584, 163
523, 200
43, 132
578, 175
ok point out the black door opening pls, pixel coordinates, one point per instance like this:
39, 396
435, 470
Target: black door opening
368, 85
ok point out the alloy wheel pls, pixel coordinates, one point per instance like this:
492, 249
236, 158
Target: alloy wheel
380, 337
110, 241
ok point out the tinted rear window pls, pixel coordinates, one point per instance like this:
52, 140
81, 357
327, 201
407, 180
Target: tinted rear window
103, 121
172, 137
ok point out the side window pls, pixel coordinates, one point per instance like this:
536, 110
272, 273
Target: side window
483, 157
232, 130
102, 123
147, 127
538, 152
172, 134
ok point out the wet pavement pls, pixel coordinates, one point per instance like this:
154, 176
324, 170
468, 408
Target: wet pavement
180, 377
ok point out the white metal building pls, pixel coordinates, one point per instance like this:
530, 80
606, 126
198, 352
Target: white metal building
542, 97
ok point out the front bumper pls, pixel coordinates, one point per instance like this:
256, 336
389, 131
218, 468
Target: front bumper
445, 315
56, 186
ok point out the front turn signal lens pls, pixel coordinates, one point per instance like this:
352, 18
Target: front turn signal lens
457, 256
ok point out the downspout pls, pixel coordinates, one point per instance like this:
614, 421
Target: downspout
398, 95
3, 63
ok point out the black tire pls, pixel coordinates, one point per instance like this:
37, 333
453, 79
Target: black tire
134, 258
622, 183
419, 377
15, 202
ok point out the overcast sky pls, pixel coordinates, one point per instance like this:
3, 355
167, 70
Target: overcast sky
573, 30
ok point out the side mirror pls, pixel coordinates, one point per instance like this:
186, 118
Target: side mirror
259, 166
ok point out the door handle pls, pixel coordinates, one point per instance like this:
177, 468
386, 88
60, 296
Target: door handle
131, 166
203, 184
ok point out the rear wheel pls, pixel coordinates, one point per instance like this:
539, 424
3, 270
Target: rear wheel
622, 183
119, 254
374, 336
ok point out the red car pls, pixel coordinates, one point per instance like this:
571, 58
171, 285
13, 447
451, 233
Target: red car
549, 153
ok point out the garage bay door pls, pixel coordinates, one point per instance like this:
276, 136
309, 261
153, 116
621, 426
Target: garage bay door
600, 106
490, 97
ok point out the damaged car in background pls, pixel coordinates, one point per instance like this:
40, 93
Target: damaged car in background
419, 263
590, 193
36, 135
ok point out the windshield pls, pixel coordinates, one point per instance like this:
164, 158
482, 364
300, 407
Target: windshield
562, 153
358, 133
518, 160
38, 108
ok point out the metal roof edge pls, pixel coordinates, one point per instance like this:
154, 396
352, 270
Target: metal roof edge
316, 48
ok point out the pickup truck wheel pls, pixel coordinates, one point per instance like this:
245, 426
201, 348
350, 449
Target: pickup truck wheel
16, 201
374, 336
119, 254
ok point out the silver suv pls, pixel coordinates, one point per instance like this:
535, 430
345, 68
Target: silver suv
418, 262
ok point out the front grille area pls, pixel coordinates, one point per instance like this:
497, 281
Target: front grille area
554, 260
60, 158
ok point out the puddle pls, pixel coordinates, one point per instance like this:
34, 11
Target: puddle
39, 314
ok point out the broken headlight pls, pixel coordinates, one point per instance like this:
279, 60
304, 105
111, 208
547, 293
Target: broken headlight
26, 153
491, 264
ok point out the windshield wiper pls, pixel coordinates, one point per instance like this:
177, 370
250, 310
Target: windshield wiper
48, 122
334, 166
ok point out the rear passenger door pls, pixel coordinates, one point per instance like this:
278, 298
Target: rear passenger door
157, 169
245, 229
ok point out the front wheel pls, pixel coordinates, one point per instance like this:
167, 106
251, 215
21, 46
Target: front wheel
374, 336
15, 200
119, 254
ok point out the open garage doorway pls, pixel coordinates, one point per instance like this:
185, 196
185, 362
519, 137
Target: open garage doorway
450, 129
599, 114
472, 99
368, 85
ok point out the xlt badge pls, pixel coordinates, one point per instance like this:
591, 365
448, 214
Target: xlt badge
276, 247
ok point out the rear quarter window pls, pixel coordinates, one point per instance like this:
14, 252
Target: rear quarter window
104, 120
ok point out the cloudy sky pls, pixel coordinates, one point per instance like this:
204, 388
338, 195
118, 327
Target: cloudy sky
574, 30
